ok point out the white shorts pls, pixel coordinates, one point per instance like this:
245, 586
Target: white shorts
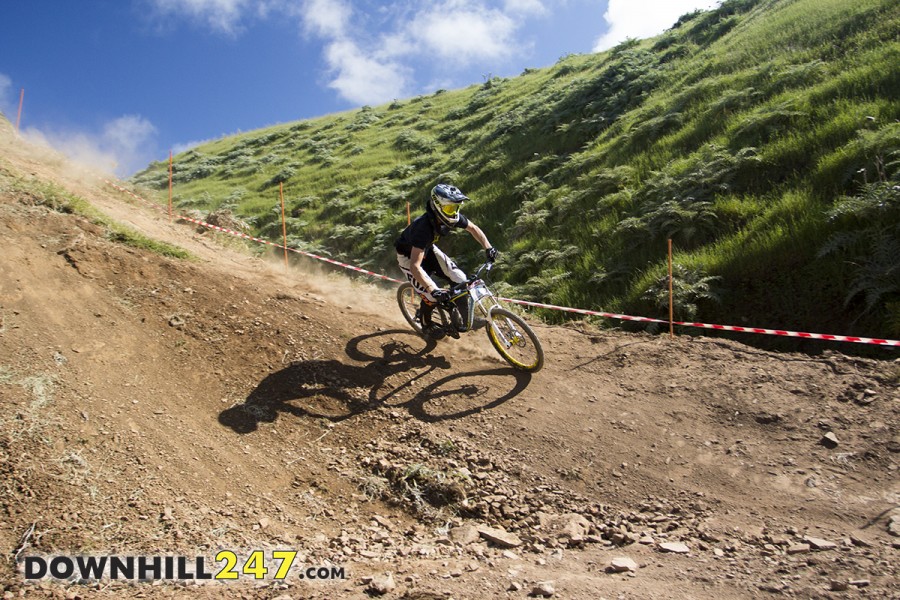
435, 262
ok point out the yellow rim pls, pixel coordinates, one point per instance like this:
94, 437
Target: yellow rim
499, 346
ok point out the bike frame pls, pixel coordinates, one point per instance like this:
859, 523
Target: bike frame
477, 294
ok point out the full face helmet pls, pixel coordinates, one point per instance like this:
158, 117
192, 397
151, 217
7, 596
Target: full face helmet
446, 200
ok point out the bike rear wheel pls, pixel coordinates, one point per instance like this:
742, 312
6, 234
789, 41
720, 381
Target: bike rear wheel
515, 340
409, 302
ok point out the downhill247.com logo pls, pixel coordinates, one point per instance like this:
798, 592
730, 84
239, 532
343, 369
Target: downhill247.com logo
227, 566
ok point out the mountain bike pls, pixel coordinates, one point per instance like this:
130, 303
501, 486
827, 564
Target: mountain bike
471, 306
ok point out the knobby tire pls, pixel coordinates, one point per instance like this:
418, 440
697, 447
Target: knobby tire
409, 301
514, 328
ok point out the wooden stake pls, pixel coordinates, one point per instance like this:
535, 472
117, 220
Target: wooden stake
283, 223
671, 302
170, 185
19, 116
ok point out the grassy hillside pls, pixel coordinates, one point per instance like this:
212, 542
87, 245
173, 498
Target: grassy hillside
762, 137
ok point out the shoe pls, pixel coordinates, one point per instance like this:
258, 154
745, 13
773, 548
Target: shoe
434, 331
478, 323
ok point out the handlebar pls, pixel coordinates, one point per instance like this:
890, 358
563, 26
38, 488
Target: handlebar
486, 267
483, 269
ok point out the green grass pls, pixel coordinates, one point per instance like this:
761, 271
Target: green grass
733, 133
58, 199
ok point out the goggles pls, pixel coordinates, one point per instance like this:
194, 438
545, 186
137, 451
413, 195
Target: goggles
451, 210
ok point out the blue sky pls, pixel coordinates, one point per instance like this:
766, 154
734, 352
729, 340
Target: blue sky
118, 83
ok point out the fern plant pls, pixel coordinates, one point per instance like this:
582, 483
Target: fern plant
689, 222
877, 274
690, 286
872, 247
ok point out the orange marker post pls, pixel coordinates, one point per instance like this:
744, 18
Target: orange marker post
408, 218
671, 301
19, 116
283, 224
170, 185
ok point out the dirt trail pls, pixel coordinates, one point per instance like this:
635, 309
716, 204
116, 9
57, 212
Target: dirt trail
156, 407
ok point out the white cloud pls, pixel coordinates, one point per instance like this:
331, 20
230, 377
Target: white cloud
370, 54
127, 135
6, 103
326, 18
459, 33
525, 7
185, 146
121, 147
221, 15
358, 75
362, 79
641, 19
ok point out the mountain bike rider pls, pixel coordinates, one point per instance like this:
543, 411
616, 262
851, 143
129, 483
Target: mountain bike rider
419, 257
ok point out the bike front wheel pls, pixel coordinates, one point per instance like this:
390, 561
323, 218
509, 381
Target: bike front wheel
409, 303
515, 340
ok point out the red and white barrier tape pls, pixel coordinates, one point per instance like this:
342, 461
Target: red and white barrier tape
580, 311
255, 239
779, 332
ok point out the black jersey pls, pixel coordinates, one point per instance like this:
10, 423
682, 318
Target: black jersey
423, 232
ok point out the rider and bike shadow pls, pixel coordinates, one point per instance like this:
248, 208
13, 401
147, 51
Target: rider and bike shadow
337, 391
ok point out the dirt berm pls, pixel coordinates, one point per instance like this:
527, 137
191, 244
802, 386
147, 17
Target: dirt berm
161, 407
